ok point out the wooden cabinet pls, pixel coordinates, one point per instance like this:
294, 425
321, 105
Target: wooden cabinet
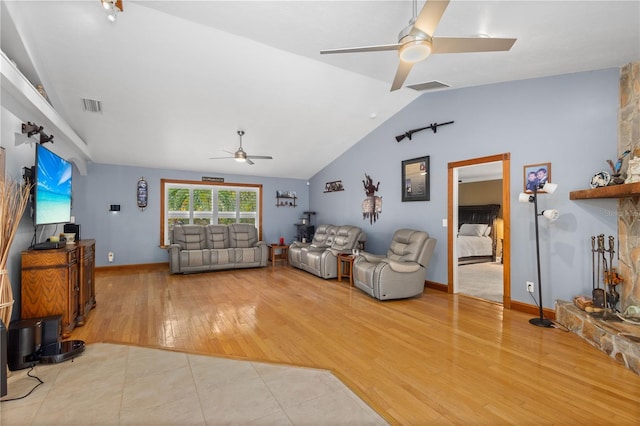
59, 282
86, 278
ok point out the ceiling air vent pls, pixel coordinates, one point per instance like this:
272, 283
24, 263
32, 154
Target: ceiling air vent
429, 85
91, 105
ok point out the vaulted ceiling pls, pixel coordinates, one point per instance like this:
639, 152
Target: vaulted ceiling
178, 79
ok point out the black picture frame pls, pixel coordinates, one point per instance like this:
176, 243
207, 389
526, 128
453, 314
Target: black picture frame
415, 179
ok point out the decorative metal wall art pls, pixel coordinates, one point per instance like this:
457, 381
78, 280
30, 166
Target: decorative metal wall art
334, 186
372, 205
142, 195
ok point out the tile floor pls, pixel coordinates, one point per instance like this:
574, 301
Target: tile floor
125, 385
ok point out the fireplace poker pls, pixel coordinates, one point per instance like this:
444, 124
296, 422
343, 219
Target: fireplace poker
598, 293
593, 264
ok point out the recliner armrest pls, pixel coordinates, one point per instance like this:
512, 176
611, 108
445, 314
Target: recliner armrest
298, 244
372, 258
402, 266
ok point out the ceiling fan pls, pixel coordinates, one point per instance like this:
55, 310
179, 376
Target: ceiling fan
416, 41
241, 156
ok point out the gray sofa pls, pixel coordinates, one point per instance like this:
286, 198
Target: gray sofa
319, 257
198, 248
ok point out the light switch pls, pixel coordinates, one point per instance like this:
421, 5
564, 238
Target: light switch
444, 223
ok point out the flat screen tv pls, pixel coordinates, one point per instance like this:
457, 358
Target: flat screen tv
52, 188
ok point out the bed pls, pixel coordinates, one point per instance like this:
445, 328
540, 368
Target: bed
477, 237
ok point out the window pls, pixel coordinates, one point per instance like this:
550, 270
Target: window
204, 203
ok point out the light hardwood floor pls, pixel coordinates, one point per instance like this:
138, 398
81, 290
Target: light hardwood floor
434, 359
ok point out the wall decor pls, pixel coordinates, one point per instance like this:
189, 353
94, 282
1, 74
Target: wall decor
286, 198
409, 134
372, 205
334, 186
535, 176
415, 179
142, 193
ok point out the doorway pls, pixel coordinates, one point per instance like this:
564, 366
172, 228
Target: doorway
455, 170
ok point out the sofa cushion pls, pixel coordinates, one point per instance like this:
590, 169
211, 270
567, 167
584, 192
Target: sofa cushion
406, 245
346, 238
217, 236
189, 237
323, 236
194, 259
242, 235
222, 256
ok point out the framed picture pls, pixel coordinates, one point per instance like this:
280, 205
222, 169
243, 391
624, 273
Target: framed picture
415, 179
535, 176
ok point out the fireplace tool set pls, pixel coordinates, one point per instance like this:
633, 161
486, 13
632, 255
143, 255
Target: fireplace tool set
604, 277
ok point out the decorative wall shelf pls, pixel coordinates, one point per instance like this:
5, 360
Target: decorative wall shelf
286, 201
614, 191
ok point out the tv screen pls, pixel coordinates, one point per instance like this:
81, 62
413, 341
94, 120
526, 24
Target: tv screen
52, 188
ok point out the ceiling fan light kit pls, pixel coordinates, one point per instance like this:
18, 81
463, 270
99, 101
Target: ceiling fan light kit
415, 51
241, 156
112, 7
416, 42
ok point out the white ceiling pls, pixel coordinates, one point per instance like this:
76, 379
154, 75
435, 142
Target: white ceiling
177, 79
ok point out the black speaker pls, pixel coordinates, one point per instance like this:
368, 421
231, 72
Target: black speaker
73, 228
3, 359
51, 329
24, 342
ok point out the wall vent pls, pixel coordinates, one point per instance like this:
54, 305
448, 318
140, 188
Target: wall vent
430, 85
91, 105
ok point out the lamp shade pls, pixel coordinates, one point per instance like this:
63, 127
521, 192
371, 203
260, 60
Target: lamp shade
551, 214
524, 197
550, 188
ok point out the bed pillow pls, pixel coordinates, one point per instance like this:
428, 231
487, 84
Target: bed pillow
473, 229
487, 233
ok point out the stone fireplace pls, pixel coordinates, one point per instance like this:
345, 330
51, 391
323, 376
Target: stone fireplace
620, 340
629, 208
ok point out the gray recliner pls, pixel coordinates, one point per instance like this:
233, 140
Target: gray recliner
322, 239
399, 274
321, 256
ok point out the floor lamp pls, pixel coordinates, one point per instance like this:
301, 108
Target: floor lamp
552, 215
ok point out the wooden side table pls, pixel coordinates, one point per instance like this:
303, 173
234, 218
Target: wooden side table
278, 252
345, 266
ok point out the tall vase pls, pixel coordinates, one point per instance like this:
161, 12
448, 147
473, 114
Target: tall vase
6, 298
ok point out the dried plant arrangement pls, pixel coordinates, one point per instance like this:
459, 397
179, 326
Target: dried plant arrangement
14, 196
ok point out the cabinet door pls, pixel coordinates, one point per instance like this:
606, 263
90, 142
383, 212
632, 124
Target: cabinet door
74, 292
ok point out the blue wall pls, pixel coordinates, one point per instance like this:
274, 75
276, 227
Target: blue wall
133, 235
568, 120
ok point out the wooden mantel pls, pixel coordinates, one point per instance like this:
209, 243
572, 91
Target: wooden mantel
614, 191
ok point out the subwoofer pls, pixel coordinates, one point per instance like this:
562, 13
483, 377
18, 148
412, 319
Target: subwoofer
72, 228
24, 341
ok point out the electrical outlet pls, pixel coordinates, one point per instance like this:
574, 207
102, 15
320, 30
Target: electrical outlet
110, 257
529, 286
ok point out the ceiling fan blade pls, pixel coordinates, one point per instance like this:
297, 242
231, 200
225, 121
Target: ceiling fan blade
219, 158
249, 162
430, 15
470, 44
260, 157
401, 74
376, 48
